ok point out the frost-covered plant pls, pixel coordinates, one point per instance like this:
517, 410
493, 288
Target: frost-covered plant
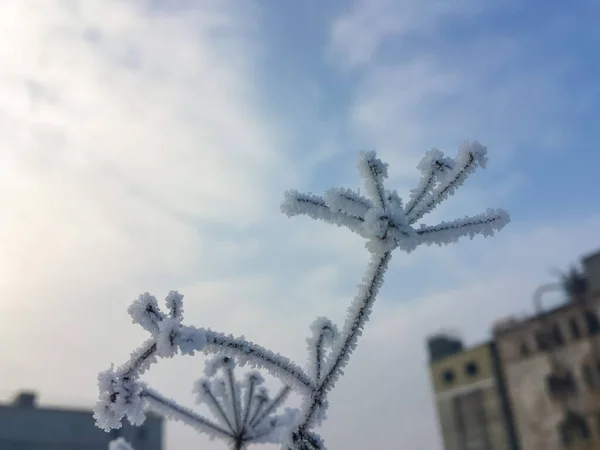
385, 223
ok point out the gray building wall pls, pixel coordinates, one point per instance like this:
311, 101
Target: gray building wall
26, 427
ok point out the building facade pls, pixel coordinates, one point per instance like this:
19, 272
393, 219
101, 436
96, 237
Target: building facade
24, 426
551, 364
472, 407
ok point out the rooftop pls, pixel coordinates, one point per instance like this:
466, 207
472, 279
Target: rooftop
28, 399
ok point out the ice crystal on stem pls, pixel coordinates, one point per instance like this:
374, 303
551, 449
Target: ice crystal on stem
243, 411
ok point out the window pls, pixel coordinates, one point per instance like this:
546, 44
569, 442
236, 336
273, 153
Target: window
557, 336
574, 326
573, 428
448, 376
591, 320
471, 369
541, 341
561, 385
524, 349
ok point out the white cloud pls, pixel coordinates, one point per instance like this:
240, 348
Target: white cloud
358, 33
420, 84
127, 134
146, 105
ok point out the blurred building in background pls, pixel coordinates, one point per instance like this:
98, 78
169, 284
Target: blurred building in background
24, 426
470, 396
538, 379
551, 363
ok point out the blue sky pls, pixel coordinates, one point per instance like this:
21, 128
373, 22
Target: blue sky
539, 60
147, 146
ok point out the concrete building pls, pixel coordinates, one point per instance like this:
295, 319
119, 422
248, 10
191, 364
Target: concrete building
24, 426
551, 364
471, 403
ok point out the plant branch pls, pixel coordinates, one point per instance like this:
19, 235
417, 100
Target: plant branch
271, 407
315, 207
373, 172
243, 351
248, 404
234, 399
432, 170
165, 406
318, 357
217, 406
445, 232
219, 343
260, 400
471, 155
324, 332
355, 322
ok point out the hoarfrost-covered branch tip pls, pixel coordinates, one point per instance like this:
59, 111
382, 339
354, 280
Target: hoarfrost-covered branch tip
243, 413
